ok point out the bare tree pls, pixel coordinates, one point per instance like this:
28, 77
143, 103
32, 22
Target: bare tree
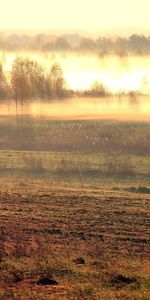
3, 84
27, 80
56, 81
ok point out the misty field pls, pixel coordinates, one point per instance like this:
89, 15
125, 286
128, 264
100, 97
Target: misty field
117, 72
74, 209
74, 150
81, 152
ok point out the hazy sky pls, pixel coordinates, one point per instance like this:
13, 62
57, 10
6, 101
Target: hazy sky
74, 14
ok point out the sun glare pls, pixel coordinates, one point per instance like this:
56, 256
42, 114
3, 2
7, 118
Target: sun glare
81, 72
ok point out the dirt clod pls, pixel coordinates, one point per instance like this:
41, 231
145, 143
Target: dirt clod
119, 281
47, 281
79, 261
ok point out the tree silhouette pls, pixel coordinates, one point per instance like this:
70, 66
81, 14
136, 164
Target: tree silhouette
56, 81
4, 89
27, 80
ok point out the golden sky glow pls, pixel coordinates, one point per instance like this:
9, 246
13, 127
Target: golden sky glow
74, 14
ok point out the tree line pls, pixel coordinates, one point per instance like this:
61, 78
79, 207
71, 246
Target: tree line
28, 80
134, 44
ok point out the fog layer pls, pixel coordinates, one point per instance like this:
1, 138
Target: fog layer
81, 71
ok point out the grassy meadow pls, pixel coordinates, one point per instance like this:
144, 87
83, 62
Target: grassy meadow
75, 153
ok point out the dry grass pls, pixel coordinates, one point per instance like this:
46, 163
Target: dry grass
74, 224
93, 244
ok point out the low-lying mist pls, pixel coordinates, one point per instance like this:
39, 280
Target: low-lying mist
119, 108
127, 79
126, 73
